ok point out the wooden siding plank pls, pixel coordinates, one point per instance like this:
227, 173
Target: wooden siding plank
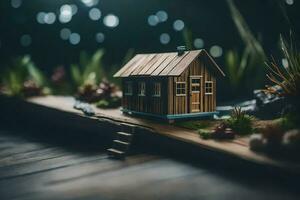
163, 65
180, 67
173, 64
170, 99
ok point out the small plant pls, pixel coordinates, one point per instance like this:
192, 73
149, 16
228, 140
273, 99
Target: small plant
288, 77
205, 134
290, 121
240, 122
223, 131
244, 68
89, 71
24, 79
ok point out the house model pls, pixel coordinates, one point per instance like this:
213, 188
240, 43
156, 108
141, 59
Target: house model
171, 86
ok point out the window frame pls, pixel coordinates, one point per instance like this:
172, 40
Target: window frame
140, 88
128, 90
156, 89
195, 84
176, 88
211, 88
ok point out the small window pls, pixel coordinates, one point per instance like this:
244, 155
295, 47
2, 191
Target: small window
128, 88
195, 85
156, 89
180, 89
195, 80
208, 87
142, 89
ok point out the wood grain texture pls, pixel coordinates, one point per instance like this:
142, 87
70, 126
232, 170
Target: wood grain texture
80, 176
165, 64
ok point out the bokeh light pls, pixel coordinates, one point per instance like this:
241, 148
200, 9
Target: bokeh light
50, 18
65, 33
46, 18
100, 37
198, 43
289, 2
164, 38
16, 3
153, 20
74, 9
162, 15
25, 40
95, 14
216, 51
74, 38
178, 25
90, 3
111, 21
65, 13
40, 17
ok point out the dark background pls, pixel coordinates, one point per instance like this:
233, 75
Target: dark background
209, 20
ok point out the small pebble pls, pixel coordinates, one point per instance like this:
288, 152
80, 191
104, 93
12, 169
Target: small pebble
84, 107
291, 138
257, 142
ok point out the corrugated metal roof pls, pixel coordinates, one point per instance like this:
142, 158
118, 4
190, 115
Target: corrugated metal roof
161, 64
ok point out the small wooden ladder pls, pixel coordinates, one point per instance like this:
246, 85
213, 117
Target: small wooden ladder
121, 143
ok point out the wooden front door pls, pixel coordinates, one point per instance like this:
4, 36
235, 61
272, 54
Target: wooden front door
195, 94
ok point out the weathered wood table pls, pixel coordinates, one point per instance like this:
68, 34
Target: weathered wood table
57, 161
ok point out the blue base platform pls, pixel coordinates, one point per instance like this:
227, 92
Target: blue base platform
198, 115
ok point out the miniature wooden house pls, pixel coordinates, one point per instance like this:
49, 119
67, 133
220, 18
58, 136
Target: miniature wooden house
170, 85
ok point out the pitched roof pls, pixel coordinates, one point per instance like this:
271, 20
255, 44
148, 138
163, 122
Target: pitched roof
162, 64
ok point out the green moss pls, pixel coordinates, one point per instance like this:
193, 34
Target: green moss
195, 125
204, 134
290, 121
102, 104
111, 103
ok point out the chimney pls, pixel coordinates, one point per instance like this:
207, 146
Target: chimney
181, 50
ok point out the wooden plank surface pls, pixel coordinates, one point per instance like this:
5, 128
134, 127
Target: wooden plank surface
49, 164
181, 66
237, 148
173, 64
164, 64
54, 172
127, 66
